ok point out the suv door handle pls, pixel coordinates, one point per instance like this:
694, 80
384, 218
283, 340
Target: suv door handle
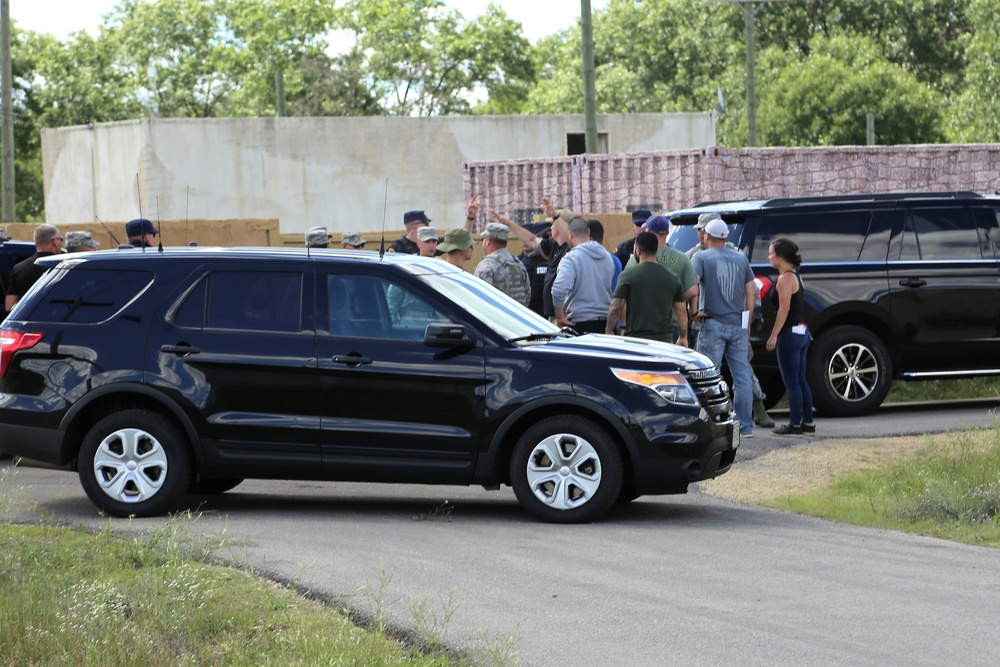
352, 359
912, 282
180, 349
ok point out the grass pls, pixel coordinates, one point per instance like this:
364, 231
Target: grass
933, 390
949, 489
937, 390
71, 597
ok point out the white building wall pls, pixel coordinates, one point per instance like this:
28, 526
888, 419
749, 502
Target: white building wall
313, 171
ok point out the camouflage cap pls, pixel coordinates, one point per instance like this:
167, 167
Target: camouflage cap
317, 237
427, 234
353, 238
78, 240
497, 231
706, 218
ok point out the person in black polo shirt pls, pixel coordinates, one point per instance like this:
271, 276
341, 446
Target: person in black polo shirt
48, 241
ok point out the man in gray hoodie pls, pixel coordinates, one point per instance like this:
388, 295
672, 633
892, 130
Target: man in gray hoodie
581, 292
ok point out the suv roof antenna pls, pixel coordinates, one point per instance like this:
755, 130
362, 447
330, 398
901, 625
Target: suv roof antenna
138, 194
385, 203
108, 230
159, 243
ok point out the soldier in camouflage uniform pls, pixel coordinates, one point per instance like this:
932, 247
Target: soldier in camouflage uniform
500, 268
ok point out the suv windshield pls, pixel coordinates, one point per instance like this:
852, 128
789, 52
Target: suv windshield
490, 306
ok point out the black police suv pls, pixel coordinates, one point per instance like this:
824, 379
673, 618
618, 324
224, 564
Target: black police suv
898, 286
159, 374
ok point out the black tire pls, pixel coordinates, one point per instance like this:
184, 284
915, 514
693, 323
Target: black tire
566, 470
135, 463
849, 372
212, 486
773, 387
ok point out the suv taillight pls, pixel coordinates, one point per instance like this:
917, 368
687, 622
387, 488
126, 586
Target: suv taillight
764, 284
11, 342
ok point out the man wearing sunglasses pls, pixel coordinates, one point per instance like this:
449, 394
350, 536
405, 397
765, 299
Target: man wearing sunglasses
48, 241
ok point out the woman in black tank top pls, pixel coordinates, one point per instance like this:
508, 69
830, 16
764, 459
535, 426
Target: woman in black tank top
790, 337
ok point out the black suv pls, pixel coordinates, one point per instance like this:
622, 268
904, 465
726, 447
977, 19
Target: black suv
158, 374
898, 286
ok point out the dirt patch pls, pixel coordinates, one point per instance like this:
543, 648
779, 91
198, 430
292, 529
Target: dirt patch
807, 466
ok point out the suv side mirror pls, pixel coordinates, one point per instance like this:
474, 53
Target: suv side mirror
447, 335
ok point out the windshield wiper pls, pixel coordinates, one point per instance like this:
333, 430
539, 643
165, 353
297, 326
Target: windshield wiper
565, 331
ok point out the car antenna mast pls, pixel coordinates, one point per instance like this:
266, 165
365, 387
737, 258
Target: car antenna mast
385, 204
138, 195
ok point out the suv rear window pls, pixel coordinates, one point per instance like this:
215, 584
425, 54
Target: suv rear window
246, 301
823, 237
87, 296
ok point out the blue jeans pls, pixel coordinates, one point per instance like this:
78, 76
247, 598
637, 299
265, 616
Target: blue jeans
792, 349
717, 340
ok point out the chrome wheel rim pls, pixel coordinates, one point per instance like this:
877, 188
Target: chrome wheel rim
130, 465
853, 372
564, 471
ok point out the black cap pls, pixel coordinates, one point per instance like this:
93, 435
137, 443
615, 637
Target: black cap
415, 216
639, 216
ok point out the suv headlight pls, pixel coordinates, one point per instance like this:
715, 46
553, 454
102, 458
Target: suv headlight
672, 387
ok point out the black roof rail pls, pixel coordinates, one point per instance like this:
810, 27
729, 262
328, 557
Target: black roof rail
884, 196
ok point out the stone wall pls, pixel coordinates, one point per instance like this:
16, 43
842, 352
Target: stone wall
668, 180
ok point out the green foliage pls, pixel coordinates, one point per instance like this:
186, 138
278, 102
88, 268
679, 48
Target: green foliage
822, 99
950, 490
67, 597
974, 117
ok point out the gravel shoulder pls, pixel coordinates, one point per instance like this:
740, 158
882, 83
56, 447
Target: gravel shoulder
808, 465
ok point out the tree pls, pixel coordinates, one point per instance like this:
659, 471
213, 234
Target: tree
422, 59
974, 117
823, 99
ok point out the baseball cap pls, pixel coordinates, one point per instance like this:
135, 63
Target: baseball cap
139, 227
639, 216
353, 238
76, 240
717, 229
415, 216
706, 218
657, 224
427, 234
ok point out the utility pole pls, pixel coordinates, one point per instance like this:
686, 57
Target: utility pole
589, 87
748, 14
6, 99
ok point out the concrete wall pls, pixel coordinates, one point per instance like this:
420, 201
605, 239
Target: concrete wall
312, 171
668, 180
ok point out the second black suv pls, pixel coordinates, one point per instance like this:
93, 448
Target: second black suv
898, 286
157, 374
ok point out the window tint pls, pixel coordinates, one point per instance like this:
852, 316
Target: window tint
822, 237
935, 234
244, 300
88, 296
373, 307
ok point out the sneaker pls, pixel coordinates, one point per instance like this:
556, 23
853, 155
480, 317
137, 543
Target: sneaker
789, 429
746, 434
809, 428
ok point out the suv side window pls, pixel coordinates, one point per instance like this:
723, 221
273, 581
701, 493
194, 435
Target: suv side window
823, 237
87, 296
244, 300
373, 307
939, 234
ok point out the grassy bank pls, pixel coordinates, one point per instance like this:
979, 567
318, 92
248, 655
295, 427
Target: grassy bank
72, 598
948, 488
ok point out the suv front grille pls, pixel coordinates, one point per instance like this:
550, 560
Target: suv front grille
713, 393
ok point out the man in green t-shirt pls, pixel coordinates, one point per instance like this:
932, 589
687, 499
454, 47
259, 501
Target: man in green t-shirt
673, 259
650, 296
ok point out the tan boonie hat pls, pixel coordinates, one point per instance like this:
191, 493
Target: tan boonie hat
456, 239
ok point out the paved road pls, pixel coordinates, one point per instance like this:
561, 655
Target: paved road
690, 580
